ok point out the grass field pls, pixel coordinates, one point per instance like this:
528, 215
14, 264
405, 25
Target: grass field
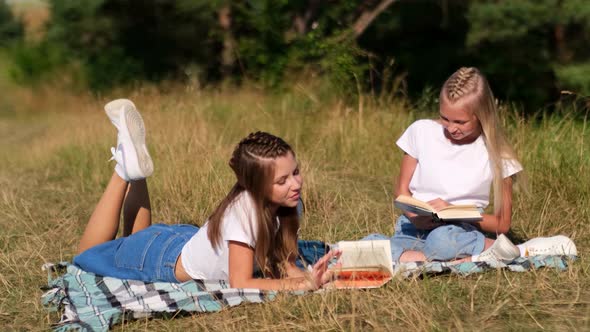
54, 149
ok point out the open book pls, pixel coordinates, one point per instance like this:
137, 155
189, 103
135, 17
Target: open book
451, 214
364, 264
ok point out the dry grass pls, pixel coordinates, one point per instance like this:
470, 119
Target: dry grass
53, 167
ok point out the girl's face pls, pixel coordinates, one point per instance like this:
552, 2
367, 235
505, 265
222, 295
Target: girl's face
287, 182
461, 125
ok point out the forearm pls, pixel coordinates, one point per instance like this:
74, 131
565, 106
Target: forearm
287, 284
297, 279
501, 220
494, 224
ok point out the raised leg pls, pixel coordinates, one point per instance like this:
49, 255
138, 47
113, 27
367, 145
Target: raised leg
104, 221
137, 212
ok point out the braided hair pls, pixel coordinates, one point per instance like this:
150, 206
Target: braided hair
469, 87
253, 148
464, 81
253, 164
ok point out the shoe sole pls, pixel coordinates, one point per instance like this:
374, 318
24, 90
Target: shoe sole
112, 108
136, 130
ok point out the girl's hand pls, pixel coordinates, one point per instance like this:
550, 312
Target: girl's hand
424, 223
438, 204
319, 273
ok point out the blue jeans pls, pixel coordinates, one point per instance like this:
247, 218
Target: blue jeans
443, 243
148, 255
310, 251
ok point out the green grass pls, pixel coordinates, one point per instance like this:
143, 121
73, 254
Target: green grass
54, 149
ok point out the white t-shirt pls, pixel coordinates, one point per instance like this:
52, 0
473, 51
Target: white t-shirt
201, 260
458, 174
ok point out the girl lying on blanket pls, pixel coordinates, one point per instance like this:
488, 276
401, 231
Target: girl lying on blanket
254, 227
455, 160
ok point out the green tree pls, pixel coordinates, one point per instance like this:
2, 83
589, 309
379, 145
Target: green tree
532, 49
120, 41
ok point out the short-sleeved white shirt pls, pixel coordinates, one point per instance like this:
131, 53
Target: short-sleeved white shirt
458, 174
201, 260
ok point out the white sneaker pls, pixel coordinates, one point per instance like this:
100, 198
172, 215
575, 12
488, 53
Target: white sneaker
556, 245
502, 250
114, 108
132, 156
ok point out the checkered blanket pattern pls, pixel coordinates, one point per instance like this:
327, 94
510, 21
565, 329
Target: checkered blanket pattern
93, 303
521, 264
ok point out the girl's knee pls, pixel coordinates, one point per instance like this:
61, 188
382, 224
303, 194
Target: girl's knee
451, 242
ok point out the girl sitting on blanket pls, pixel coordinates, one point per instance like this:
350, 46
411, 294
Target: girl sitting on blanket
455, 160
254, 227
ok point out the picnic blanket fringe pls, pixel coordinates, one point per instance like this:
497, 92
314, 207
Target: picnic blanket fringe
88, 302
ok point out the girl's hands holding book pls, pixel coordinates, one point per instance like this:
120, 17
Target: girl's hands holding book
424, 223
438, 204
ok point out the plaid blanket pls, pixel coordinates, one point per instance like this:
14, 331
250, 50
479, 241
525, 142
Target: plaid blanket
89, 302
93, 303
521, 264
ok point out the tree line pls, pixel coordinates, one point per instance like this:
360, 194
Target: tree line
531, 50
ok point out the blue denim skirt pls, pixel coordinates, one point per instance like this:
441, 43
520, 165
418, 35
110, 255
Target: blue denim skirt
148, 255
443, 243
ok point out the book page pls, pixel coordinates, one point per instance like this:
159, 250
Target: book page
407, 200
468, 215
359, 255
460, 207
465, 212
365, 264
363, 257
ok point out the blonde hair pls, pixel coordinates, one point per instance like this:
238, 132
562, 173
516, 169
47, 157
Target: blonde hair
470, 87
253, 164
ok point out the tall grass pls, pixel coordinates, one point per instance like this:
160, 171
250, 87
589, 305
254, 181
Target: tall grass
54, 151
